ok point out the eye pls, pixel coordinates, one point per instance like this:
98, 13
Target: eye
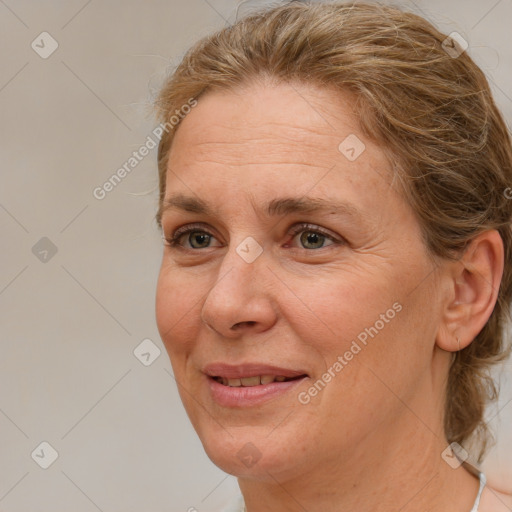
195, 235
313, 237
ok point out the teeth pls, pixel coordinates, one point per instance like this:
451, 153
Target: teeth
267, 379
251, 381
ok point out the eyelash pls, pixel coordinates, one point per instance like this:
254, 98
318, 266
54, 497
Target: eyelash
173, 241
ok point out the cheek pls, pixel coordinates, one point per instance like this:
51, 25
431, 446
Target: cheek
367, 317
176, 309
343, 303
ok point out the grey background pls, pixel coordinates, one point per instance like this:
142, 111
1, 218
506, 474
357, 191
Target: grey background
70, 321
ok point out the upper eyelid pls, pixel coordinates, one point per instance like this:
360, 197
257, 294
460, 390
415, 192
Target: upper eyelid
307, 226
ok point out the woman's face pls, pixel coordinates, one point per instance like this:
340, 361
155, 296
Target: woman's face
303, 261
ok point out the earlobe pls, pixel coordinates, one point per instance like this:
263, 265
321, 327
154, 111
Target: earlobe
473, 283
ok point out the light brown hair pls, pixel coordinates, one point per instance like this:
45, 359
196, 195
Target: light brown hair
432, 112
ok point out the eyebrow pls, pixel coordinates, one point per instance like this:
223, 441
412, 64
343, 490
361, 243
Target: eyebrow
275, 207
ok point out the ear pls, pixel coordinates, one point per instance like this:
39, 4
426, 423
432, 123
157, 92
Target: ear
472, 284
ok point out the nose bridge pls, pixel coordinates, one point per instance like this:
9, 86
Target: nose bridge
242, 268
240, 294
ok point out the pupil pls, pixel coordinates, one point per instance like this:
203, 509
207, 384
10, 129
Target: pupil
311, 238
200, 236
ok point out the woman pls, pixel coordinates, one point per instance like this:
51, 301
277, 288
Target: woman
336, 273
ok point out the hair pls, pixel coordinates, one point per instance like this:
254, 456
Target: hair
432, 112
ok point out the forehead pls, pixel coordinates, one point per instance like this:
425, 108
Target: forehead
265, 139
271, 116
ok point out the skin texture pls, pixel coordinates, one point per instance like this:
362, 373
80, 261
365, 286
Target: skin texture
372, 439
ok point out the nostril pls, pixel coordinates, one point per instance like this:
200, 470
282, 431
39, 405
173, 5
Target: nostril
242, 324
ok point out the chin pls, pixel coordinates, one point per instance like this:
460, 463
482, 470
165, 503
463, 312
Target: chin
236, 451
250, 453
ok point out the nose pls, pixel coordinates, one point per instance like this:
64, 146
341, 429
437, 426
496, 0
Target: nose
241, 300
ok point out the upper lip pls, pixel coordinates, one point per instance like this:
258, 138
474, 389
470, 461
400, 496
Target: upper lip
239, 371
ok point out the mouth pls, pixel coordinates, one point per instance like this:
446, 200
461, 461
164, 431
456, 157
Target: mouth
250, 384
258, 380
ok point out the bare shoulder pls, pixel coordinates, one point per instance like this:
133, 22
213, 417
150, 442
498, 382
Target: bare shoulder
493, 500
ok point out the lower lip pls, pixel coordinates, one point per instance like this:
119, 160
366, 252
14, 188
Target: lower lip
242, 396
